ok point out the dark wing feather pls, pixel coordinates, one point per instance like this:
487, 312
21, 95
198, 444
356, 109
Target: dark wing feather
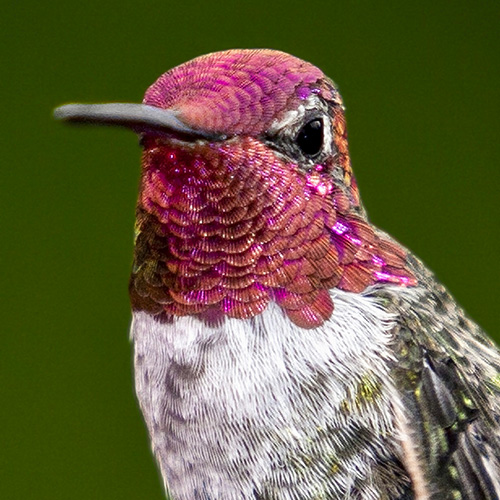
448, 375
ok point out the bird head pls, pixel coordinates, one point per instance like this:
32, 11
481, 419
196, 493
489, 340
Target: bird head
247, 193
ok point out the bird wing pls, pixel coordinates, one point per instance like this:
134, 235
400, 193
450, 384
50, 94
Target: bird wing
455, 442
447, 374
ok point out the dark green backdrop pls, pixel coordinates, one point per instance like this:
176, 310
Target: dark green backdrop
421, 83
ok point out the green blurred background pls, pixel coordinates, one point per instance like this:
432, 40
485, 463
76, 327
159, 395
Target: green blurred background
421, 83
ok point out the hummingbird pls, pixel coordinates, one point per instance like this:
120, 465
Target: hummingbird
284, 347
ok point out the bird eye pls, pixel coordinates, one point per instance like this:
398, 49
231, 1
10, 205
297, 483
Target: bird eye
310, 137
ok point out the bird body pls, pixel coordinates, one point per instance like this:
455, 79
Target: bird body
285, 348
265, 415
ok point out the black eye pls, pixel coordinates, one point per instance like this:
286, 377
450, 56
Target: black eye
310, 138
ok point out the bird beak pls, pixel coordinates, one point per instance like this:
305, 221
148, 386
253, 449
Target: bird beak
139, 117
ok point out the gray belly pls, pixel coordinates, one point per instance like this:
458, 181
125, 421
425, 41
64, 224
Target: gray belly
261, 409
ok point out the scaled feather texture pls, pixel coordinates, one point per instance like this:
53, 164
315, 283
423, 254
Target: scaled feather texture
285, 348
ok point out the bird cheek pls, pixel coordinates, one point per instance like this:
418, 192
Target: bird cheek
320, 184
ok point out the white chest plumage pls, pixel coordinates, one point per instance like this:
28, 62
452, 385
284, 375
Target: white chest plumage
258, 408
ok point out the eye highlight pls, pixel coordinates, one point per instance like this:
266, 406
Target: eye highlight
310, 137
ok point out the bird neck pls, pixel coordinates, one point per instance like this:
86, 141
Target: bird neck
222, 230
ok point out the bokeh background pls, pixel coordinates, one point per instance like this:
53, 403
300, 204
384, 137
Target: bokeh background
421, 83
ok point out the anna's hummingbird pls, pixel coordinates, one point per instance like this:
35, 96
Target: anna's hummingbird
285, 348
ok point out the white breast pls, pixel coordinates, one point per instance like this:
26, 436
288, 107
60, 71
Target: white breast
237, 408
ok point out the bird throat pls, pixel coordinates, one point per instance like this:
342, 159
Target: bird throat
224, 228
